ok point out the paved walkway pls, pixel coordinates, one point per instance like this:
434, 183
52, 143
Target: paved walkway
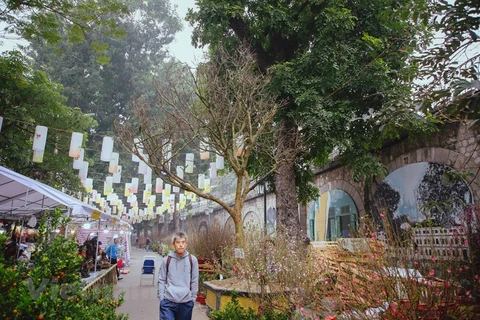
141, 302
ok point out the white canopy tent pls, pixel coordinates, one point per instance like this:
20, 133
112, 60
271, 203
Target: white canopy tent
22, 197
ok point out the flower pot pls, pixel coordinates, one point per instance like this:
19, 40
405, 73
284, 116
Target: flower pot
201, 298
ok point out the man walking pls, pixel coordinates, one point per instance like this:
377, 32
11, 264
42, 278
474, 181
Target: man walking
112, 253
178, 281
147, 244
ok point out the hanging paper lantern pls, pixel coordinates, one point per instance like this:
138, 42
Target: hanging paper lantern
134, 186
117, 176
113, 164
213, 170
89, 185
152, 200
142, 167
189, 163
108, 188
158, 185
148, 188
201, 181
147, 177
40, 138
180, 172
128, 190
82, 174
1, 123
207, 185
107, 149
219, 162
75, 145
176, 190
39, 141
204, 153
78, 161
168, 189
165, 197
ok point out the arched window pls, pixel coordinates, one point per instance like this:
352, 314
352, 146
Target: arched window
334, 215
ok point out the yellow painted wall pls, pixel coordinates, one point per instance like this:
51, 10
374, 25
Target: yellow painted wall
321, 218
211, 301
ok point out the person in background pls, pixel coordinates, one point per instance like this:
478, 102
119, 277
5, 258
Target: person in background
147, 244
178, 281
136, 242
112, 253
22, 256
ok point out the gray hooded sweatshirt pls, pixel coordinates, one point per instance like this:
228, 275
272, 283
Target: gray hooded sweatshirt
182, 284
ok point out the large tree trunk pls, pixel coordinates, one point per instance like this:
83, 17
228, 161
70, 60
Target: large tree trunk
287, 206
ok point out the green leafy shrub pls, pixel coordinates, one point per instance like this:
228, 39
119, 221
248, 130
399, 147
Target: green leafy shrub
51, 287
234, 311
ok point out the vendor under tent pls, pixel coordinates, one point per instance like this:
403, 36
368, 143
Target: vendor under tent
22, 197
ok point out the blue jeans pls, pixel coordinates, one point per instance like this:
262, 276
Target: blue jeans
147, 247
175, 311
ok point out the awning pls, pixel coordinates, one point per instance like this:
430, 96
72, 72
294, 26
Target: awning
21, 196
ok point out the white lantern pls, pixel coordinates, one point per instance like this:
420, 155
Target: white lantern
213, 170
128, 190
40, 138
107, 149
78, 161
180, 172
189, 163
204, 153
142, 167
147, 177
134, 186
117, 176
219, 162
89, 185
82, 174
158, 185
207, 185
201, 181
75, 144
113, 165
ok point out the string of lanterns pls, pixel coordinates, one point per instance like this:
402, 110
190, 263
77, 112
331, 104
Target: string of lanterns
109, 202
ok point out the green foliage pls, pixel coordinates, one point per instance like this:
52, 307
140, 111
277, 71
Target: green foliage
44, 19
449, 67
234, 311
51, 287
335, 62
27, 99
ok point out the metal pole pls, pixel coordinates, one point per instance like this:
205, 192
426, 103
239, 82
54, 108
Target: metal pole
265, 208
96, 248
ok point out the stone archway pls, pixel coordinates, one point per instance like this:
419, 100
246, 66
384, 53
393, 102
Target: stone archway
451, 158
251, 222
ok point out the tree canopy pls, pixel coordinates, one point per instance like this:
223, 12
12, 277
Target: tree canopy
47, 19
335, 62
27, 99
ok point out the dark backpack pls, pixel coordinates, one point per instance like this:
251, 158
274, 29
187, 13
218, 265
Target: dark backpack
169, 258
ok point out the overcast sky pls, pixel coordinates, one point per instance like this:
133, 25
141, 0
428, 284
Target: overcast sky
181, 47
